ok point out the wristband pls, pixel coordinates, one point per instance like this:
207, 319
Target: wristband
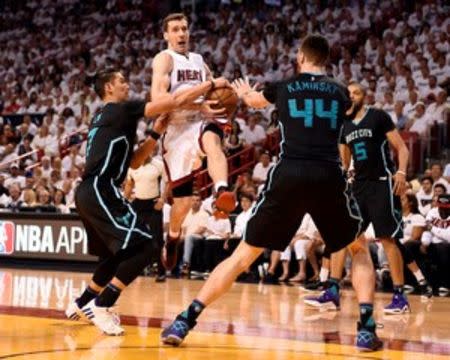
154, 135
401, 172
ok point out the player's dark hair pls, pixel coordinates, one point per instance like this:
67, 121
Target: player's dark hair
316, 49
172, 17
102, 78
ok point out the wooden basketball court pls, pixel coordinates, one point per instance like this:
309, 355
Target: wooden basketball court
251, 322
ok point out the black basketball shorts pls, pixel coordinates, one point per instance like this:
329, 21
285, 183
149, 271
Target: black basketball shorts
294, 188
110, 221
378, 205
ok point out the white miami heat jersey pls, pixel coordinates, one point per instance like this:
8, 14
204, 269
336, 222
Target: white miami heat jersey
188, 71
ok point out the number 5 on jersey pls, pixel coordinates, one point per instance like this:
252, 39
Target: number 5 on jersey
314, 108
360, 151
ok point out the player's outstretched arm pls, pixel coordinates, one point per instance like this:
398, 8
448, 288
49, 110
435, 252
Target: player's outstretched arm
249, 94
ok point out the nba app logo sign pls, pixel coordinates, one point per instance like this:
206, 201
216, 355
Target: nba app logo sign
6, 237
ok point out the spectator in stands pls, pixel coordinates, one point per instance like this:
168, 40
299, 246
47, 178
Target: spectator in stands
3, 188
425, 195
193, 230
419, 122
247, 203
217, 233
14, 201
15, 177
46, 167
262, 168
436, 172
400, 120
254, 133
298, 244
436, 242
43, 141
72, 159
439, 109
245, 185
25, 148
29, 198
60, 202
410, 106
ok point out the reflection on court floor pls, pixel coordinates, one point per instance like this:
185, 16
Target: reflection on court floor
251, 322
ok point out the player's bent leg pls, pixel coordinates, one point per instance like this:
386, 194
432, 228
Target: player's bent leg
363, 280
399, 304
131, 263
218, 283
218, 170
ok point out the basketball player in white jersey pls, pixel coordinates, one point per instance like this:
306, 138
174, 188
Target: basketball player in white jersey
191, 134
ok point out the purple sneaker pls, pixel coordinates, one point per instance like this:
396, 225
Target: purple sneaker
399, 305
327, 300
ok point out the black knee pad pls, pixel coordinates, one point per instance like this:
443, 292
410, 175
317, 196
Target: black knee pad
134, 260
184, 189
105, 271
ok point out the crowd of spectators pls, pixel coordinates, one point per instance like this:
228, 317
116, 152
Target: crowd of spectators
51, 50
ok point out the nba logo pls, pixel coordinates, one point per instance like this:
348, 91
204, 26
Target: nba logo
6, 237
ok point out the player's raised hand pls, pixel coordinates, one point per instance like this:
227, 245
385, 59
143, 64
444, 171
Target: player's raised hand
243, 87
209, 109
399, 183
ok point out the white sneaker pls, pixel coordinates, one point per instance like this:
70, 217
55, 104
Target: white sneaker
103, 318
73, 312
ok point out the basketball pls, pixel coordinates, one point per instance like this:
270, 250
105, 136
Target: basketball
226, 98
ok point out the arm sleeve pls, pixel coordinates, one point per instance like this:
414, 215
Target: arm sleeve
270, 92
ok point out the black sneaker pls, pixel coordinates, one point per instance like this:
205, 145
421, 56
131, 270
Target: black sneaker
425, 290
270, 279
160, 278
315, 285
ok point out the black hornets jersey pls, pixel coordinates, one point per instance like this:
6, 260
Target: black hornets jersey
311, 110
369, 145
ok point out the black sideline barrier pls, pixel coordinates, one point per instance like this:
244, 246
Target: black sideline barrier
43, 237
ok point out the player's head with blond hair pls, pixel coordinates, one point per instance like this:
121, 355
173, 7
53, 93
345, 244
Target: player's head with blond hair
176, 32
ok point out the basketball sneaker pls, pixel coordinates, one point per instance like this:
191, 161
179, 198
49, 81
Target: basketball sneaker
367, 339
328, 300
315, 285
169, 253
103, 318
399, 305
175, 333
425, 290
73, 312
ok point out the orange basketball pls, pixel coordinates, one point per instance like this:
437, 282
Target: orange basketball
226, 98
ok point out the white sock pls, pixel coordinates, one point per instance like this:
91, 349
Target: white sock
419, 276
323, 275
219, 184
